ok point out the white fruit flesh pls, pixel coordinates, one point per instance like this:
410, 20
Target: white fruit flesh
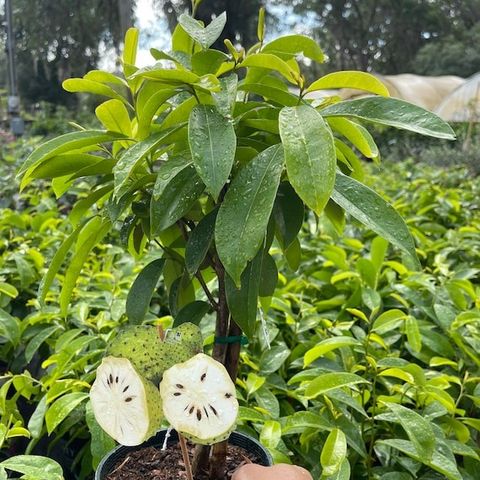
120, 403
199, 399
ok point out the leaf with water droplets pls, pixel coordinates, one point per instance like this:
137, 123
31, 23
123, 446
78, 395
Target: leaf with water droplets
374, 212
309, 154
243, 217
212, 142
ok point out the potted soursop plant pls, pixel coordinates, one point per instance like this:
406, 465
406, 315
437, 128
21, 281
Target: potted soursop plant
206, 159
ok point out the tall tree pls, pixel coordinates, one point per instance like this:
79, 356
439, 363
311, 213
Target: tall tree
63, 38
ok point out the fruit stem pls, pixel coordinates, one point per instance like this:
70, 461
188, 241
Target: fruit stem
186, 458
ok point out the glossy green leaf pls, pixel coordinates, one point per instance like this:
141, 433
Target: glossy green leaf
270, 93
9, 327
141, 292
37, 340
268, 276
35, 423
8, 290
114, 116
243, 302
130, 46
438, 462
199, 242
328, 345
350, 79
208, 61
271, 434
226, 97
205, 36
65, 164
192, 312
134, 156
56, 263
329, 381
289, 213
289, 46
388, 320
356, 134
74, 85
271, 62
393, 112
64, 144
61, 408
334, 452
272, 359
212, 141
34, 467
104, 77
299, 421
175, 199
244, 214
168, 76
97, 229
413, 333
374, 212
83, 205
309, 154
419, 430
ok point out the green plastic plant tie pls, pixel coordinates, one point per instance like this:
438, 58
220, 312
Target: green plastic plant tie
242, 339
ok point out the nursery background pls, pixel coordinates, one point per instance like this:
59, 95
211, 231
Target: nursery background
360, 365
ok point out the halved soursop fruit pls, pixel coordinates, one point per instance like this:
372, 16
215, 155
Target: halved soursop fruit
142, 346
126, 405
199, 399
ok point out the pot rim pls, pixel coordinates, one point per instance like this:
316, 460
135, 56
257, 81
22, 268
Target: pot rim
158, 438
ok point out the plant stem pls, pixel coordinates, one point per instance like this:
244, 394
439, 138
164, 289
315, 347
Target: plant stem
186, 458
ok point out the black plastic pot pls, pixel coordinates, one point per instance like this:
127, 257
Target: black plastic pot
238, 439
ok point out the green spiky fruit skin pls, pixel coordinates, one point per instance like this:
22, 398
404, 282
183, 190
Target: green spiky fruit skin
188, 334
149, 355
141, 345
154, 406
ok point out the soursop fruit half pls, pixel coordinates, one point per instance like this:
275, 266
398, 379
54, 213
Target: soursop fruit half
126, 405
199, 400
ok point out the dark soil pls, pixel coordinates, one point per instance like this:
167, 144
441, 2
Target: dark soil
154, 464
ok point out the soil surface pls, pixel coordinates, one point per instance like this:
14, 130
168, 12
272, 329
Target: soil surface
154, 464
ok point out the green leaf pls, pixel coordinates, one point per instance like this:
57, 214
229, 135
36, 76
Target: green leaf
56, 263
205, 36
288, 46
288, 212
82, 206
74, 85
158, 73
100, 443
268, 61
393, 112
268, 276
419, 430
309, 154
326, 346
97, 229
192, 312
225, 98
199, 242
438, 462
105, 77
243, 302
130, 46
272, 359
8, 290
34, 467
269, 92
329, 381
358, 135
174, 199
35, 423
374, 212
208, 61
334, 452
63, 144
413, 333
61, 408
141, 292
388, 321
134, 156
212, 141
350, 79
244, 214
114, 116
37, 340
298, 422
9, 327
271, 434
